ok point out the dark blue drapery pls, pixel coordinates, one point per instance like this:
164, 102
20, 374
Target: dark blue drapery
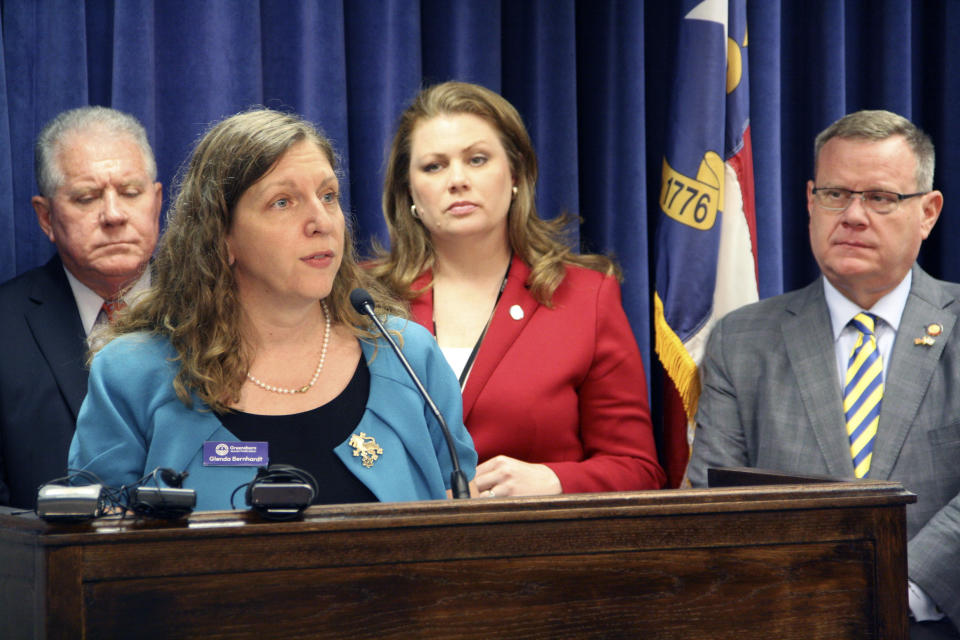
591, 78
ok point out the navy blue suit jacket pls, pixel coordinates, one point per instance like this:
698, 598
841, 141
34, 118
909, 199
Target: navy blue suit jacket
43, 379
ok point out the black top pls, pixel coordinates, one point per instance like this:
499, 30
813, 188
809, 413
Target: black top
306, 440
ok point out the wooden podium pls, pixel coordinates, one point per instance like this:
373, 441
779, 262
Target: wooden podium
789, 561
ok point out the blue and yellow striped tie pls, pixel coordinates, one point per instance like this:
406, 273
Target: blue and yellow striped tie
862, 393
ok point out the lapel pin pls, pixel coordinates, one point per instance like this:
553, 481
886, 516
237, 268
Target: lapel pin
516, 312
366, 448
933, 330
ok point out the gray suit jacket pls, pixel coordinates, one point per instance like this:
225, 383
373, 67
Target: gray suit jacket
771, 399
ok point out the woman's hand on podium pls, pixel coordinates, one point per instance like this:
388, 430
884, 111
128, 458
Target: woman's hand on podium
503, 476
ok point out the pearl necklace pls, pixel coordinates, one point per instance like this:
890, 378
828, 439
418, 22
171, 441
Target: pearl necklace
316, 374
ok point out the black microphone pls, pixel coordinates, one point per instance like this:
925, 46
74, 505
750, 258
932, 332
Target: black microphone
362, 301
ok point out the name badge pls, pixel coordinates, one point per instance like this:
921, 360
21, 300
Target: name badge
235, 454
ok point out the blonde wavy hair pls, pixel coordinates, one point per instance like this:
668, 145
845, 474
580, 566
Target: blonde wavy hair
193, 297
542, 244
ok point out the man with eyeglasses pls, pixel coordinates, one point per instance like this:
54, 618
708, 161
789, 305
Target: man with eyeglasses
858, 374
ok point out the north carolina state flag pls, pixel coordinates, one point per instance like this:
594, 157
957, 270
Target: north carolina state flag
706, 237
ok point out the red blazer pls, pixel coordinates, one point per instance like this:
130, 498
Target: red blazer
562, 386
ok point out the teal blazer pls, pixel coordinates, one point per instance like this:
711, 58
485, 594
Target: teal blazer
132, 422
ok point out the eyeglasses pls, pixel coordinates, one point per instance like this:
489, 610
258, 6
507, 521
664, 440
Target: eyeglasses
837, 199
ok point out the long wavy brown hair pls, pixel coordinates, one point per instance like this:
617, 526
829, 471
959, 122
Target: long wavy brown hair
193, 297
543, 244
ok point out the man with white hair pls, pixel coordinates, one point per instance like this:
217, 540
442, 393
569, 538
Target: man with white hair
99, 204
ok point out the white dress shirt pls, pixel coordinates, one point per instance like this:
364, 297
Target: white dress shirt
888, 310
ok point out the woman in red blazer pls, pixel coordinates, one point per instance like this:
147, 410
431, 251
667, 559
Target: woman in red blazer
554, 391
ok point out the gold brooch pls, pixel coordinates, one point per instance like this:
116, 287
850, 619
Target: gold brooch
933, 330
366, 448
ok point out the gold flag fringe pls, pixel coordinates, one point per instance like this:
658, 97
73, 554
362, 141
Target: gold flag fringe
676, 361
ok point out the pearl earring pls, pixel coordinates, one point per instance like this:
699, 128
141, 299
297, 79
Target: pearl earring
514, 191
413, 211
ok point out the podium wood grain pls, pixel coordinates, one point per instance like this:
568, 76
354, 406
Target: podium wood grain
817, 561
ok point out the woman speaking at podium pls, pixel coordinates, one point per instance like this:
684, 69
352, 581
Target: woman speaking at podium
247, 336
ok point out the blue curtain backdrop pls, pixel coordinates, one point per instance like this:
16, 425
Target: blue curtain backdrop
591, 78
